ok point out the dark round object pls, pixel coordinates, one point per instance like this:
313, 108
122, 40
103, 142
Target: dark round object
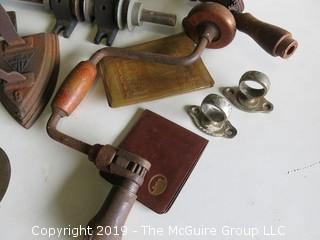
235, 5
215, 14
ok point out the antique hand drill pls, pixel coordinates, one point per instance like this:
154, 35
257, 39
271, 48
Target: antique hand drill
210, 26
274, 40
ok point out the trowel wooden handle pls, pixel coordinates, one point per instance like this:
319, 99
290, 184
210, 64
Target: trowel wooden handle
74, 89
274, 40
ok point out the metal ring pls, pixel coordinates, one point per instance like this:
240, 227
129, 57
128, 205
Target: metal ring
120, 22
137, 13
88, 10
77, 10
260, 79
216, 108
129, 13
212, 116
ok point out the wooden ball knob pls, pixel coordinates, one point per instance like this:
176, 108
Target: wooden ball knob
216, 15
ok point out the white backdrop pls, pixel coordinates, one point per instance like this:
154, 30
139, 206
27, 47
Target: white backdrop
242, 182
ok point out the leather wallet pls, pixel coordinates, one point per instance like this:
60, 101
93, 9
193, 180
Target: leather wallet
173, 152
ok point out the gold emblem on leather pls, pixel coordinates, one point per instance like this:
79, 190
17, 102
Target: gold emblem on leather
157, 185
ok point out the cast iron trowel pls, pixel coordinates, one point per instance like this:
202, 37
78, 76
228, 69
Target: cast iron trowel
29, 68
5, 172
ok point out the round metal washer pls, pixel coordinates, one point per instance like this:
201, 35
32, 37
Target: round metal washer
88, 10
133, 15
77, 10
137, 14
120, 23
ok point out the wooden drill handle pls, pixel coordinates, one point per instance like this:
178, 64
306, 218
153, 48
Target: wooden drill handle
76, 86
109, 221
274, 40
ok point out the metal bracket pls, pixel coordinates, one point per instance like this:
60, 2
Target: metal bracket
247, 97
212, 116
65, 20
105, 18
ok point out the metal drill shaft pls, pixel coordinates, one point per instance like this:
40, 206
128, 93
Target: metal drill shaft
158, 17
137, 15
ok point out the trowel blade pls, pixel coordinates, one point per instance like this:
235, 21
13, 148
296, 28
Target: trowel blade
5, 173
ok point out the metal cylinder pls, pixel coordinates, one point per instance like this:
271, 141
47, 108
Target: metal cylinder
136, 15
158, 17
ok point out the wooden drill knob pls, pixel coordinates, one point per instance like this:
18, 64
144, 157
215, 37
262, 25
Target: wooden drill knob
215, 14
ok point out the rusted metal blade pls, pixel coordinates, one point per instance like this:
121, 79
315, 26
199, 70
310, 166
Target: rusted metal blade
5, 173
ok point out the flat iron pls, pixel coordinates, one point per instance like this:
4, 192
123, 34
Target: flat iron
29, 68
